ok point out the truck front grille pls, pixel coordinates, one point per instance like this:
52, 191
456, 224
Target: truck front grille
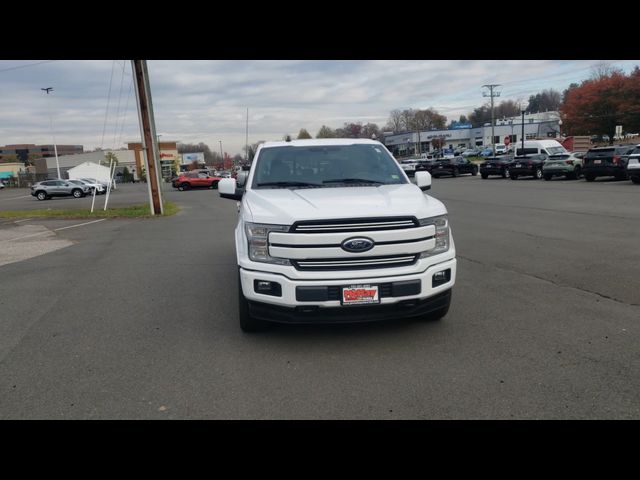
354, 225
326, 264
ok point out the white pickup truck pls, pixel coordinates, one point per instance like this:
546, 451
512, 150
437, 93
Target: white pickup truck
333, 231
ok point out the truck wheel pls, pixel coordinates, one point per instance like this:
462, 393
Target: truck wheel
455, 172
438, 314
248, 324
475, 171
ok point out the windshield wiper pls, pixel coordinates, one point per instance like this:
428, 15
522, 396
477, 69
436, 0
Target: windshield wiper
353, 180
289, 184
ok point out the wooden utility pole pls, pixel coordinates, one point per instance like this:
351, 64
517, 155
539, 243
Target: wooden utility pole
148, 133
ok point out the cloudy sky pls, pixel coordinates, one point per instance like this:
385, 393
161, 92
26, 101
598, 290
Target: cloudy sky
93, 103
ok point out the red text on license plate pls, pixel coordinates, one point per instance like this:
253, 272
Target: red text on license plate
360, 294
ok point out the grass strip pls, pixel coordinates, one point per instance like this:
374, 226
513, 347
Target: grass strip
132, 211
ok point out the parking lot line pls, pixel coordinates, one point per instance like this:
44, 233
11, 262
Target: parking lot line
79, 224
13, 198
55, 230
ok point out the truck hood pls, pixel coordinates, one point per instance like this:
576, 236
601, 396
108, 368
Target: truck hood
285, 206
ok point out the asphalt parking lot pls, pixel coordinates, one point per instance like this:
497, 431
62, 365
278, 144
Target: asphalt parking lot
124, 195
136, 318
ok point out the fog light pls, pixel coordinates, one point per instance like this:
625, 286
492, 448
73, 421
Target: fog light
440, 278
267, 288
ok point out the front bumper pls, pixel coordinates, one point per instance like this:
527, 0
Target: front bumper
351, 314
289, 298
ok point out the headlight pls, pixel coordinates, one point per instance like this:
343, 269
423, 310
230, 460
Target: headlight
258, 236
442, 235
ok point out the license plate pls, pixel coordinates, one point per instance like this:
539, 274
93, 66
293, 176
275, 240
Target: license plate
439, 166
360, 295
517, 165
597, 161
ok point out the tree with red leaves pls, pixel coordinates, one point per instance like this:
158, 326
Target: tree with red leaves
600, 103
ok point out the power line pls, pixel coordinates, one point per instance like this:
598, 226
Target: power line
106, 113
26, 66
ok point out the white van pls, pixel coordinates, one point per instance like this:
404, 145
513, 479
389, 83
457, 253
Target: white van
536, 147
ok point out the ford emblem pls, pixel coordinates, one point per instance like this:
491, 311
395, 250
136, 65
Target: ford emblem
357, 245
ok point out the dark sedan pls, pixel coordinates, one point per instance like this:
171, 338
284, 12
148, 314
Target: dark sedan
453, 166
527, 166
496, 166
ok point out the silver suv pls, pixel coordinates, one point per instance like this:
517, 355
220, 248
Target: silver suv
58, 188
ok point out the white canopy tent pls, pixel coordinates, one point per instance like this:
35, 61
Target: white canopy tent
90, 170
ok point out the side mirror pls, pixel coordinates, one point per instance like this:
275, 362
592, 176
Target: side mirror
242, 178
227, 189
423, 180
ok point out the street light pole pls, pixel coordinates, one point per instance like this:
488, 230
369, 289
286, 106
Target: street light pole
221, 155
523, 131
55, 147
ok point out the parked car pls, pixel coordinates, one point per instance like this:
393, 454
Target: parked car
487, 152
58, 188
471, 152
633, 164
333, 231
496, 166
454, 167
501, 149
90, 185
568, 166
606, 162
100, 187
409, 166
189, 180
527, 166
425, 165
538, 147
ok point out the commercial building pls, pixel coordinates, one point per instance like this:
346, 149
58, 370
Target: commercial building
538, 125
169, 157
126, 158
24, 150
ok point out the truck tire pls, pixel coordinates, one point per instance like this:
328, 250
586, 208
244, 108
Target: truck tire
513, 177
248, 324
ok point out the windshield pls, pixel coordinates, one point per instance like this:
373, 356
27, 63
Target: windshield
557, 151
326, 166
